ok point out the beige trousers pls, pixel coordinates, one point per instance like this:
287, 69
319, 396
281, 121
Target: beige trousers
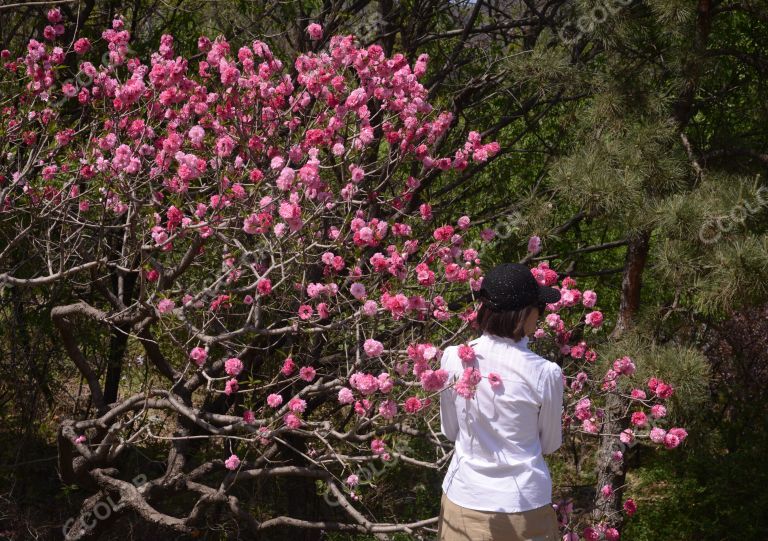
458, 523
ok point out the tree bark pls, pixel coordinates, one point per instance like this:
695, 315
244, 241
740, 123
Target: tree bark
634, 264
611, 472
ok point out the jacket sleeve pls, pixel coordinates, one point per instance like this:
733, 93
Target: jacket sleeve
551, 412
449, 420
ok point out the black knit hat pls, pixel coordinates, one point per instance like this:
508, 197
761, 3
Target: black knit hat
512, 286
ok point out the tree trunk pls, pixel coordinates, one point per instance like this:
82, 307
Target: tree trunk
634, 264
118, 343
609, 471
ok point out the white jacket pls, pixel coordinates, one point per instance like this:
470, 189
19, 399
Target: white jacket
502, 433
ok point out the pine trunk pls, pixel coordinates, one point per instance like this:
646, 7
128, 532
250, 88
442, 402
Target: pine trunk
609, 471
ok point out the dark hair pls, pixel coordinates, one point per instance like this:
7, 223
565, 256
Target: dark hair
507, 324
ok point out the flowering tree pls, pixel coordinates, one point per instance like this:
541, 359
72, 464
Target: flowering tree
246, 226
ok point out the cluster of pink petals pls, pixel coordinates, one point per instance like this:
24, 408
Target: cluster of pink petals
594, 319
534, 245
660, 388
373, 348
670, 438
467, 384
288, 367
232, 463
307, 373
600, 531
198, 355
233, 366
433, 380
292, 421
466, 353
231, 387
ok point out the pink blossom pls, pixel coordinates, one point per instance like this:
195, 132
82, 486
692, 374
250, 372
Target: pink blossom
663, 390
569, 297
307, 373
292, 421
534, 245
388, 409
165, 306
553, 321
346, 396
487, 234
467, 384
674, 437
196, 134
433, 380
198, 355
627, 436
577, 351
606, 491
231, 387
82, 46
264, 286
232, 463
443, 233
224, 146
657, 435
54, 15
357, 173
544, 275
466, 353
495, 380
358, 290
639, 418
590, 534
288, 367
589, 298
233, 366
373, 348
353, 480
594, 319
274, 400
413, 404
658, 411
248, 417
377, 446
370, 308
306, 311
322, 310
630, 507
385, 382
297, 405
424, 275
624, 366
365, 383
315, 31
